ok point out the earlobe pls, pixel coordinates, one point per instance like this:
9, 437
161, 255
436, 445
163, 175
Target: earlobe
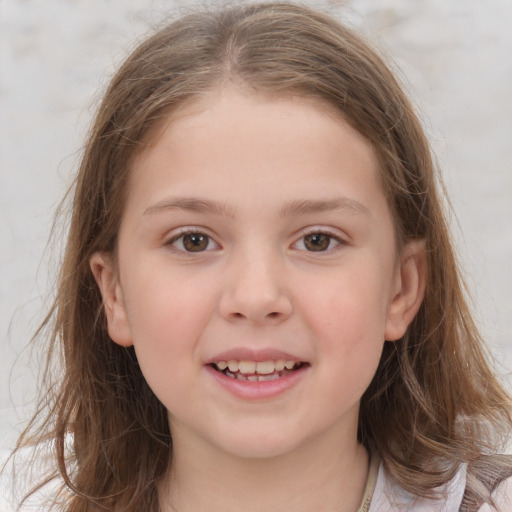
105, 274
409, 291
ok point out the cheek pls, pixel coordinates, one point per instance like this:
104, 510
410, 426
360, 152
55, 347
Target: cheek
349, 350
351, 304
164, 304
347, 317
166, 320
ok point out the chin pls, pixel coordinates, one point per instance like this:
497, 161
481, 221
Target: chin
259, 444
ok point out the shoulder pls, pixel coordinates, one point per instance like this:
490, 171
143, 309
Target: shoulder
6, 482
502, 496
492, 473
16, 479
390, 497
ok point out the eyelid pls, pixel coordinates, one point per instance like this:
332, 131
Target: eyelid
178, 233
334, 233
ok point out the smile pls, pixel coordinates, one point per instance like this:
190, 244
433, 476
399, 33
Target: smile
256, 371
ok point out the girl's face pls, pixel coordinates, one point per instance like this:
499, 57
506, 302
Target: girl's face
257, 276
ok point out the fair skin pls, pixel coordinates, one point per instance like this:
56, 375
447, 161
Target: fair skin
256, 230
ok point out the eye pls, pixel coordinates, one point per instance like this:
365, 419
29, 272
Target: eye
318, 242
193, 241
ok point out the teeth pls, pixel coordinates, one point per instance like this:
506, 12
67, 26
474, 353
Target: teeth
279, 365
253, 378
273, 376
230, 375
233, 366
265, 367
247, 367
250, 368
222, 365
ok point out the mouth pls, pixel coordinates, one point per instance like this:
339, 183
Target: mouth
257, 371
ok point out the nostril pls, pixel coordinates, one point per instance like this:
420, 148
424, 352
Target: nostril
274, 314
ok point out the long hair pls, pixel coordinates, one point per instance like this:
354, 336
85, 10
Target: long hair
434, 402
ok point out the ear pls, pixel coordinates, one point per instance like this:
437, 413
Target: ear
106, 276
409, 289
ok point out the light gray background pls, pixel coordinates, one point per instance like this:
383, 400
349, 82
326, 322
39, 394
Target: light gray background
455, 58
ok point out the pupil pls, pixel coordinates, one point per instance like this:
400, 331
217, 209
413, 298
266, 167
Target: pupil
317, 242
195, 242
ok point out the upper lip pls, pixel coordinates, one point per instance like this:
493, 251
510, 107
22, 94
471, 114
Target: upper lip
257, 355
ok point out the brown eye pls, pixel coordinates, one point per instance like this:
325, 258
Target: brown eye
318, 242
195, 242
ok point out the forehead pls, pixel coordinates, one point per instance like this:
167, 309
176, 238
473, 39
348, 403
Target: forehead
293, 144
237, 97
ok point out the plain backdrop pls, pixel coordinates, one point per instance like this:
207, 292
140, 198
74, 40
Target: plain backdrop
454, 57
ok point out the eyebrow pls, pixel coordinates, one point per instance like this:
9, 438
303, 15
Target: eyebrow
191, 204
305, 206
296, 207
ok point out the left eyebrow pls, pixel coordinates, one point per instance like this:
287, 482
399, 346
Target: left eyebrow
305, 206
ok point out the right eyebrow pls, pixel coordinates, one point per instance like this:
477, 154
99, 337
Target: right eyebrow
191, 204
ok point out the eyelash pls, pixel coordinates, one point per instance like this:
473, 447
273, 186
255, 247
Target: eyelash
323, 233
173, 241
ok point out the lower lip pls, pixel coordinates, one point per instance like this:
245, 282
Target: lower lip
258, 390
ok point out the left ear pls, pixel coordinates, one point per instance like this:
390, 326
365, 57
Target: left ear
409, 289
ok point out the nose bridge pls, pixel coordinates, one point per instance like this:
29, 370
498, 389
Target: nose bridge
254, 287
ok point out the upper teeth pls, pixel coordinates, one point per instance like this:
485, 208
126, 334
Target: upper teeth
260, 367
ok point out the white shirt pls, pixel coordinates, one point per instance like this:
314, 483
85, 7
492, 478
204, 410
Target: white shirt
389, 497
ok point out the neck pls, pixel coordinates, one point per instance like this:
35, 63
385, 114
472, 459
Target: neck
324, 475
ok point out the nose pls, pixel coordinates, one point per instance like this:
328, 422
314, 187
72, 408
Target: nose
254, 291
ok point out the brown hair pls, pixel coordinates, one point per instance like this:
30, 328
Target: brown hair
434, 402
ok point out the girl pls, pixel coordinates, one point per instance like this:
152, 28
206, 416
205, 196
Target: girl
259, 305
